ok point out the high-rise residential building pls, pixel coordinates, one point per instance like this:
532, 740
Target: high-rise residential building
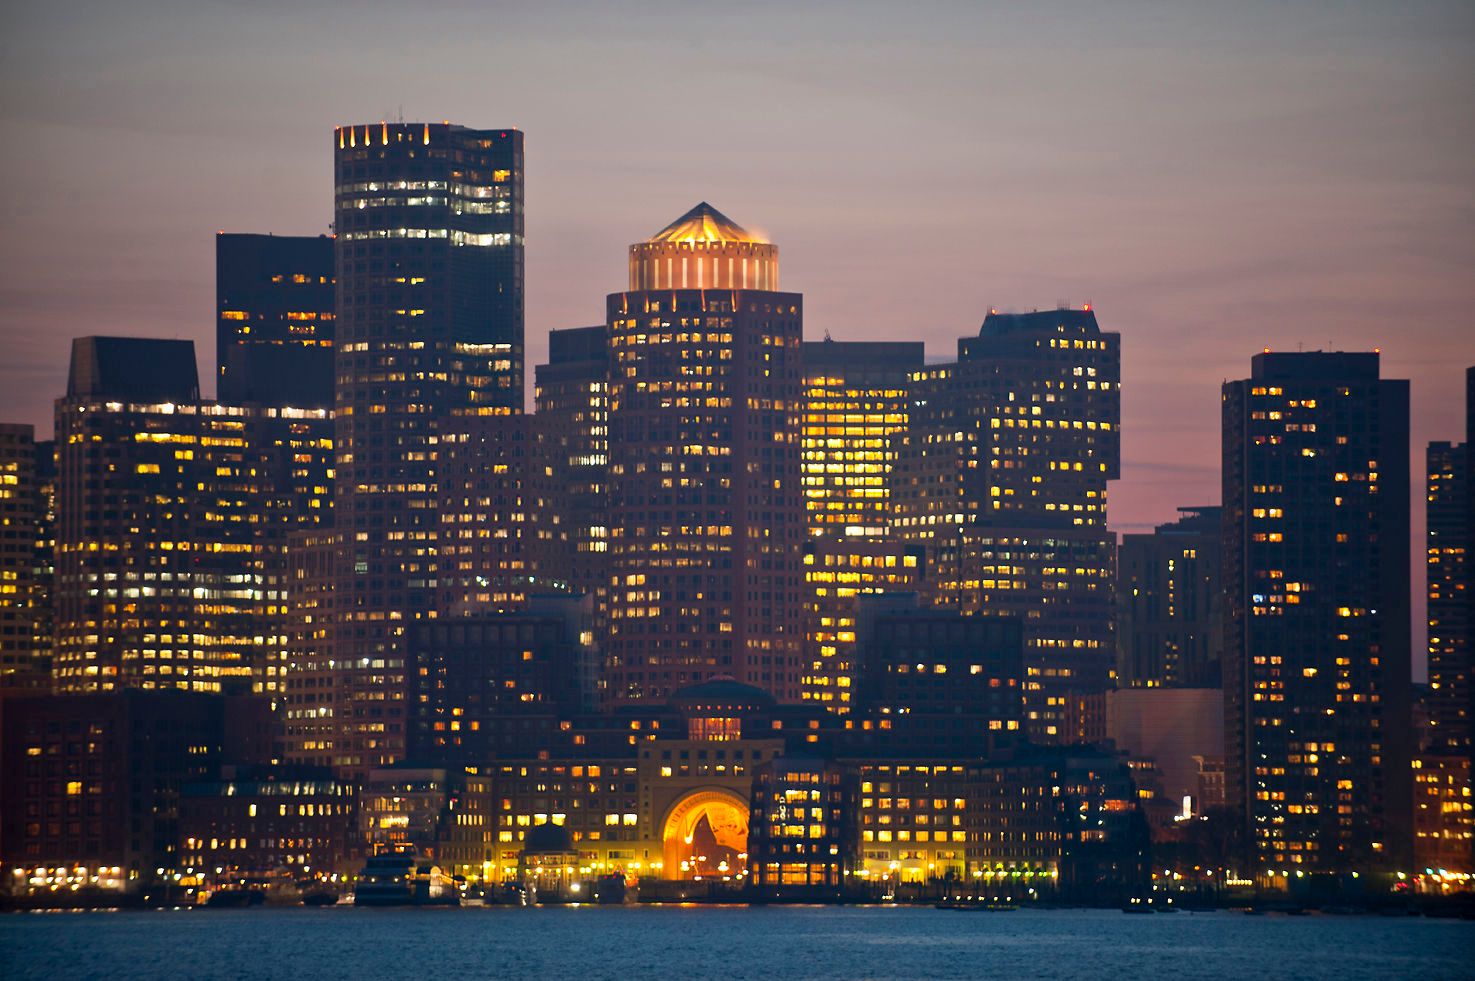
429, 266
1003, 473
43, 561
855, 400
1316, 654
173, 516
705, 502
1448, 564
18, 533
1168, 625
274, 320
572, 428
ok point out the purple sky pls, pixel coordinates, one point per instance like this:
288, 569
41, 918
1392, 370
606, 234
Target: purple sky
1213, 178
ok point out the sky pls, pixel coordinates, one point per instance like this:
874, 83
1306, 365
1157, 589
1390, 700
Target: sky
1214, 178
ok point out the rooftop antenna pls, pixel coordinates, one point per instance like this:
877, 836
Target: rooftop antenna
401, 117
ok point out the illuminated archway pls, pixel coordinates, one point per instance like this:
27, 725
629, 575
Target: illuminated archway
706, 834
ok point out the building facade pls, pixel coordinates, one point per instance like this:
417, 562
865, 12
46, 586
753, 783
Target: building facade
1317, 672
1004, 472
274, 320
428, 260
1168, 621
173, 516
705, 502
20, 606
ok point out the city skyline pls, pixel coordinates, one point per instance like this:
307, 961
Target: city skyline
325, 475
1207, 179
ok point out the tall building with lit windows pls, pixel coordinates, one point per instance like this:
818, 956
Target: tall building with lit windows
429, 266
1316, 653
173, 517
706, 507
274, 320
19, 522
1169, 628
1448, 565
572, 430
1002, 477
855, 401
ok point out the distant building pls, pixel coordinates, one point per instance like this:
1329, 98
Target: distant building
933, 682
20, 662
801, 827
93, 782
1448, 564
172, 520
572, 428
1002, 476
1176, 732
839, 572
274, 320
442, 814
1316, 658
429, 267
706, 506
1169, 628
856, 400
495, 686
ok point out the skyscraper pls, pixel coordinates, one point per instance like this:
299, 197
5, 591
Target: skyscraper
1316, 655
1447, 562
855, 401
274, 320
706, 507
429, 301
1168, 629
1003, 475
572, 429
173, 515
18, 530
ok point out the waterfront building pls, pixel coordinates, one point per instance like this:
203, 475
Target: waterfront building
1168, 622
1316, 656
1003, 473
429, 303
93, 781
262, 822
801, 834
274, 320
706, 510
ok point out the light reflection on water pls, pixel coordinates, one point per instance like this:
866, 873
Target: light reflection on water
727, 942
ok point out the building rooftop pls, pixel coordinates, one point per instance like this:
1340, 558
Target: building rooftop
704, 223
133, 368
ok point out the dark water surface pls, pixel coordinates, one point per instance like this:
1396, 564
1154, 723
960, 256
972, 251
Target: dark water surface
726, 942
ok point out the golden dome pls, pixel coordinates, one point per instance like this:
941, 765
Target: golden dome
704, 223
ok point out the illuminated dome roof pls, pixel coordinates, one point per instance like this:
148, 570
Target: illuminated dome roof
704, 223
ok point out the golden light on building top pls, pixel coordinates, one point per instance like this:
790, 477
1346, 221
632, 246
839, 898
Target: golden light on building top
704, 249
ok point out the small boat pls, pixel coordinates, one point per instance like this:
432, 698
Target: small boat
320, 899
404, 879
235, 899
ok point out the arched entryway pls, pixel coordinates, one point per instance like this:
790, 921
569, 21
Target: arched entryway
706, 834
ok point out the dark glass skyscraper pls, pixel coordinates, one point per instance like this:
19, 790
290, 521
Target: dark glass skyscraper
274, 320
429, 263
1316, 653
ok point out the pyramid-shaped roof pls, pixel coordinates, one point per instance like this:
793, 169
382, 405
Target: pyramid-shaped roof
704, 223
